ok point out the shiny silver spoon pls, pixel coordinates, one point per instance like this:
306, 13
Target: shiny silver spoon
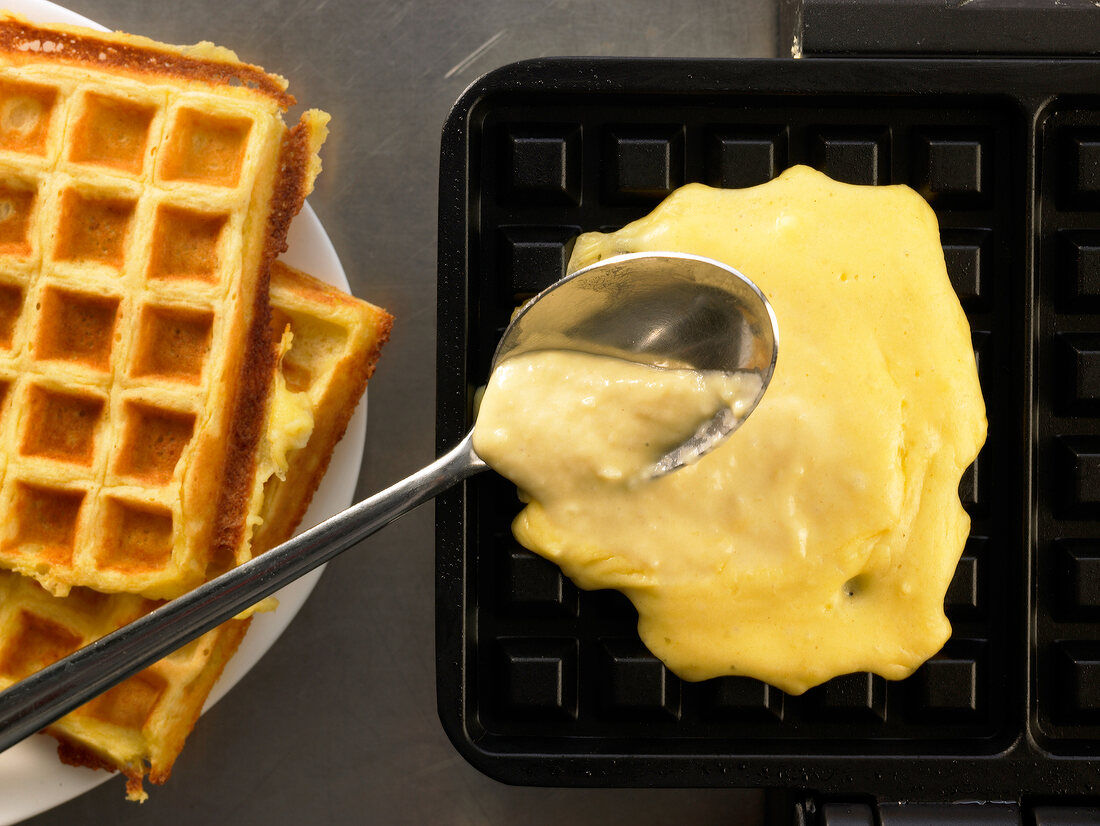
664, 309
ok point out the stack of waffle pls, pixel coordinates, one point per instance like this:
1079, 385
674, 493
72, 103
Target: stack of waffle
170, 395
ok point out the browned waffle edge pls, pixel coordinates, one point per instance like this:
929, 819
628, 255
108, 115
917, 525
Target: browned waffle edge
228, 638
253, 385
81, 46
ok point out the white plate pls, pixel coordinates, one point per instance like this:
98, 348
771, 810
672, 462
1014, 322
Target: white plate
32, 779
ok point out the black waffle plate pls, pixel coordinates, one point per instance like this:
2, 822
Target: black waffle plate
541, 683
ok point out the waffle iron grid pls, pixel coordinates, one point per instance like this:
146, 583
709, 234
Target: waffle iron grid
542, 683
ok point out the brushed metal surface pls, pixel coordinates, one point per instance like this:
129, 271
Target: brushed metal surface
338, 723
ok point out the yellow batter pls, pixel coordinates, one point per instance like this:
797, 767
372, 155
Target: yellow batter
583, 427
821, 538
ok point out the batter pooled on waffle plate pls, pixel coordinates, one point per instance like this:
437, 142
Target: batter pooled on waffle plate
820, 538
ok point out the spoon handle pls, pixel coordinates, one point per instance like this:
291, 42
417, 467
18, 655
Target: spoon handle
40, 699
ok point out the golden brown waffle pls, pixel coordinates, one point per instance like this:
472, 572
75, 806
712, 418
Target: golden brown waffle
140, 725
336, 343
144, 191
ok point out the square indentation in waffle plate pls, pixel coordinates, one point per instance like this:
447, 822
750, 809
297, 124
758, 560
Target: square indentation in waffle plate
541, 683
144, 190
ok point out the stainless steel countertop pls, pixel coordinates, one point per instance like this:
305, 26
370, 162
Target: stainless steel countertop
338, 723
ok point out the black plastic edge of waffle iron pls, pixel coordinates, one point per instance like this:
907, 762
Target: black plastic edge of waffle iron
1001, 769
924, 28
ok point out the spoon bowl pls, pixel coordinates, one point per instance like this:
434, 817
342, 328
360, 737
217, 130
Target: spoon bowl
662, 309
665, 309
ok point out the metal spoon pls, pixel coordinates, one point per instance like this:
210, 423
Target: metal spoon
665, 309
